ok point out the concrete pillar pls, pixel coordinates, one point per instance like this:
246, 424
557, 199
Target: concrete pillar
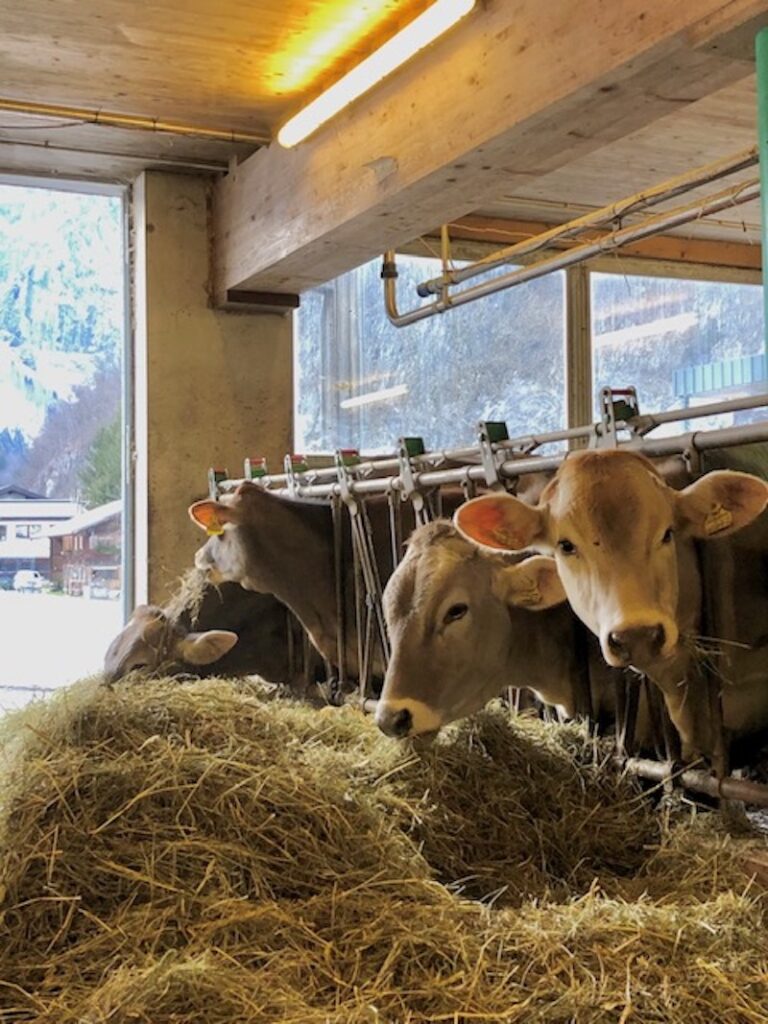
210, 386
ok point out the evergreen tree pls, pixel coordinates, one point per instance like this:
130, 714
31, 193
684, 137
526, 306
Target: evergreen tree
100, 479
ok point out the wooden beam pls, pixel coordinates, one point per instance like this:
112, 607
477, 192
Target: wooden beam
670, 248
261, 302
519, 89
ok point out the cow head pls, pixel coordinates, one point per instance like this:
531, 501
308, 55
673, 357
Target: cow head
448, 609
228, 554
617, 532
151, 643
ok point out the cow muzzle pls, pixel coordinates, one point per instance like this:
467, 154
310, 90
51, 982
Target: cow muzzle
635, 645
403, 718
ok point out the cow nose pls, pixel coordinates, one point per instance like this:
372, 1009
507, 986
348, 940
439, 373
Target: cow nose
396, 722
637, 643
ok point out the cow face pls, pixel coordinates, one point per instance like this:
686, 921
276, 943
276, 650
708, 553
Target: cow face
226, 555
448, 613
618, 534
151, 643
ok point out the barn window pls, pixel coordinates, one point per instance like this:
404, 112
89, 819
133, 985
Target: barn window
680, 342
362, 382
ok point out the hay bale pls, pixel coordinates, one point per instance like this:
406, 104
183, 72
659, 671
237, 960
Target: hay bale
182, 853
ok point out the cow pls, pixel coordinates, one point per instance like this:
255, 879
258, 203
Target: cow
466, 624
210, 630
623, 543
284, 546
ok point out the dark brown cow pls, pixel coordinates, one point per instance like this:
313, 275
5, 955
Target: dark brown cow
210, 630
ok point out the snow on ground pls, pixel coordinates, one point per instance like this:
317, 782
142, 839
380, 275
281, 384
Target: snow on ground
50, 640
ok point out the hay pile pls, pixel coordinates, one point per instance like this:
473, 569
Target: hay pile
175, 854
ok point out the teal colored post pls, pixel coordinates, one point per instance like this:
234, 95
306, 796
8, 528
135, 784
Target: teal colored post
761, 55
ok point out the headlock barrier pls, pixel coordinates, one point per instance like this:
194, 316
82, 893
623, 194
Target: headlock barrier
411, 479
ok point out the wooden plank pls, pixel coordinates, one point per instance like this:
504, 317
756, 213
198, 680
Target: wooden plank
518, 90
671, 248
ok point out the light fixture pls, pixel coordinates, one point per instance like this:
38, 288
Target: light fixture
396, 51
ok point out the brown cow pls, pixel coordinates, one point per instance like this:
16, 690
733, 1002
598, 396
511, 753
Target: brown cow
464, 625
270, 543
622, 539
209, 630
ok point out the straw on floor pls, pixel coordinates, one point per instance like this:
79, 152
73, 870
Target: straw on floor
190, 853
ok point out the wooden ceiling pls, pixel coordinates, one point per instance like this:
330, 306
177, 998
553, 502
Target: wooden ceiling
231, 65
245, 65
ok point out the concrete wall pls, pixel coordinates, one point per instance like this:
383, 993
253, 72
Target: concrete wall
210, 387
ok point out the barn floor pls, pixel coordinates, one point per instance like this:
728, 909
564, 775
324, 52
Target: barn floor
178, 853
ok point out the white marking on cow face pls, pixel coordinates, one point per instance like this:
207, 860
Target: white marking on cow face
448, 611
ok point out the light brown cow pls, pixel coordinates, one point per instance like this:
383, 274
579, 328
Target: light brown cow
622, 540
464, 625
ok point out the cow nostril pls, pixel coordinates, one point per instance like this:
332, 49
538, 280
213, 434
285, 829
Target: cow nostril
402, 722
616, 643
657, 637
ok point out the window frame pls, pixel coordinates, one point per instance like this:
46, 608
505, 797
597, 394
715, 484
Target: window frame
579, 396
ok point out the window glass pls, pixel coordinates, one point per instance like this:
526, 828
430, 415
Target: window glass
680, 343
363, 383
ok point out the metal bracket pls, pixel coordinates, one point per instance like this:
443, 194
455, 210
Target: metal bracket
617, 405
294, 465
343, 460
215, 476
408, 448
491, 432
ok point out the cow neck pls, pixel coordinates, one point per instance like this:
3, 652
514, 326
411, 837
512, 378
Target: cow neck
293, 548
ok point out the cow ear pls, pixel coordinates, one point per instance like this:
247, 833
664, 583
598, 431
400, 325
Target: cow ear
500, 521
212, 515
205, 648
533, 584
720, 503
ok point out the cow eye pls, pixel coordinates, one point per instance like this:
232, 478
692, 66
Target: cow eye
455, 612
566, 546
668, 535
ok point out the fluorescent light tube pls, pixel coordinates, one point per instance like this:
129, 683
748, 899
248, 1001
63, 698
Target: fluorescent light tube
396, 51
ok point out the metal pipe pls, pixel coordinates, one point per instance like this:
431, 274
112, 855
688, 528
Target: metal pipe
705, 440
647, 423
697, 780
729, 197
702, 440
761, 74
605, 215
387, 463
135, 122
515, 466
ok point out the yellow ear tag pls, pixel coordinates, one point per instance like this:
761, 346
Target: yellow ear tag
214, 528
718, 519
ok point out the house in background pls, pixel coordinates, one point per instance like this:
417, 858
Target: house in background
25, 519
86, 552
